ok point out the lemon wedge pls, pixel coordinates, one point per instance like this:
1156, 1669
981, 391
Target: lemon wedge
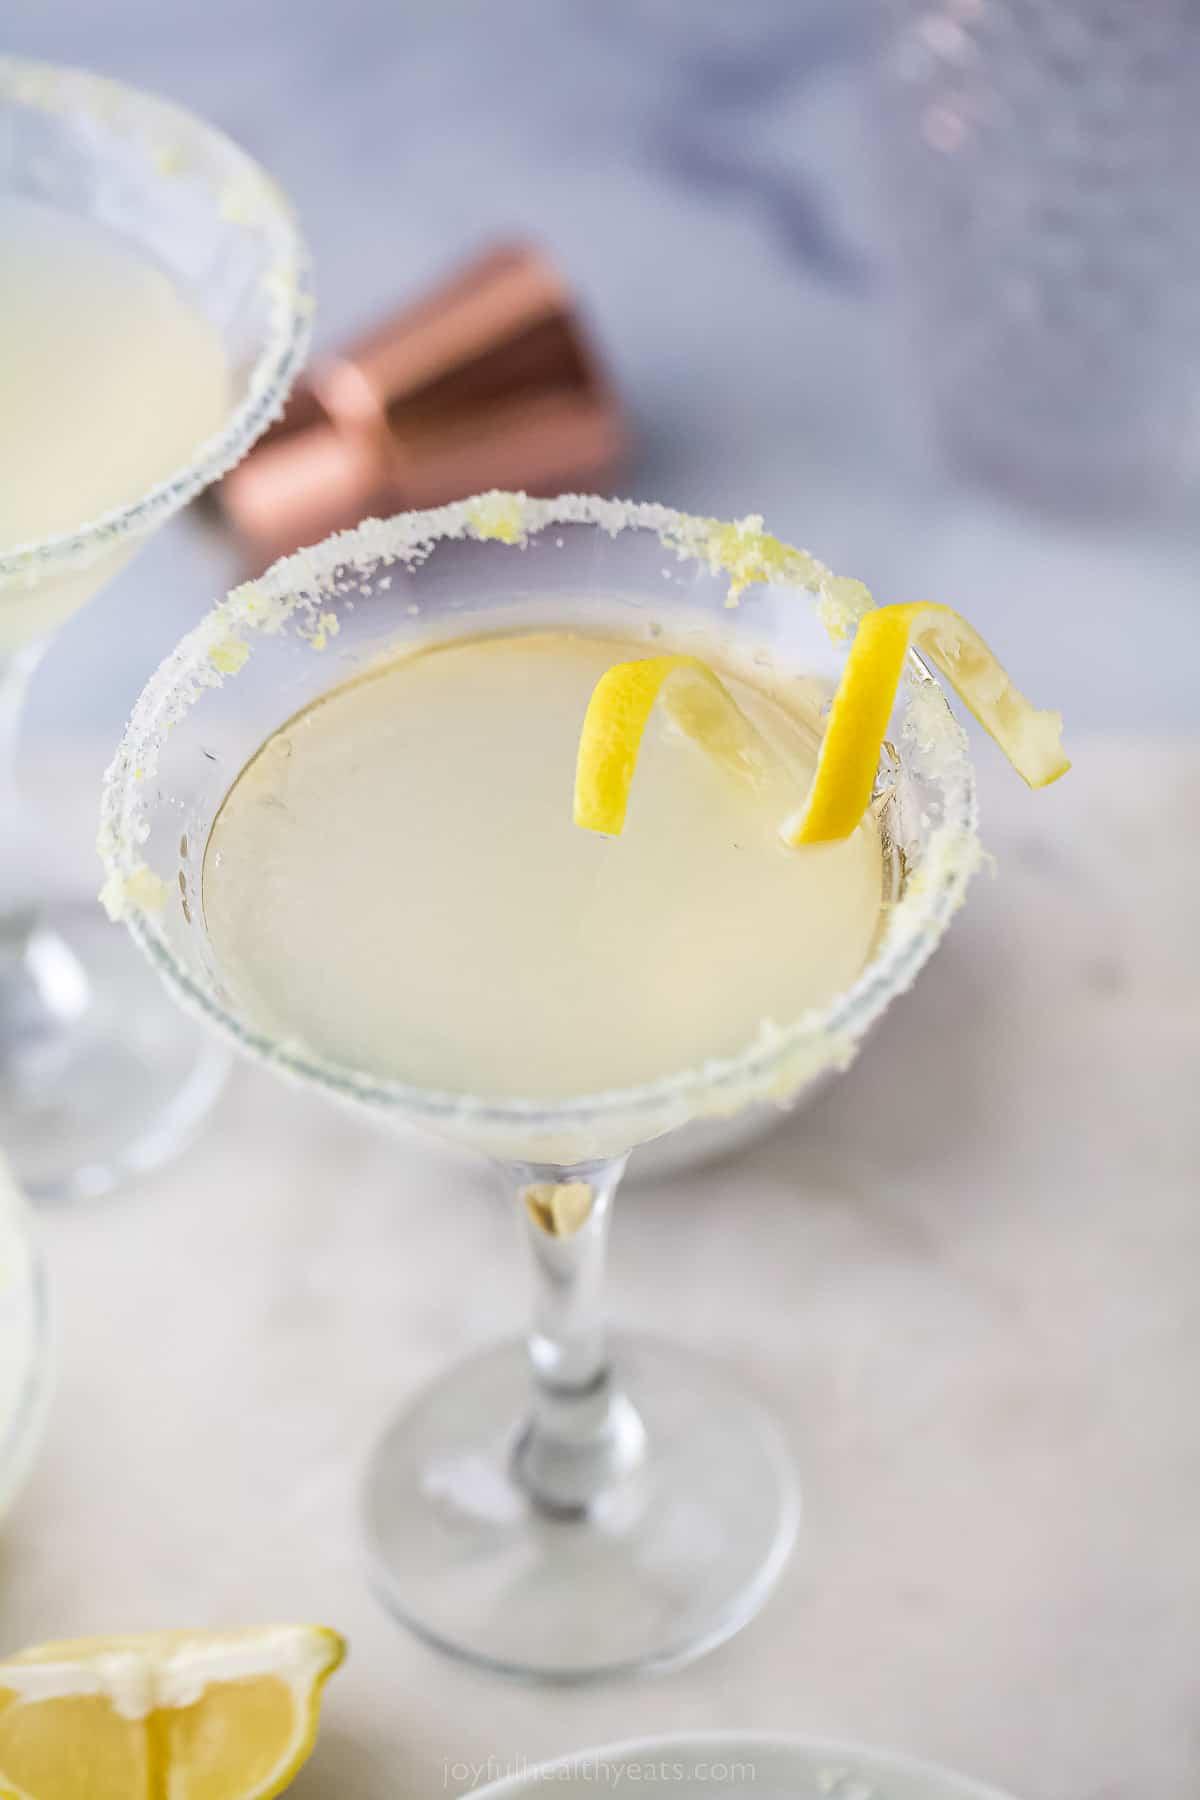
849, 756
703, 707
163, 1716
621, 703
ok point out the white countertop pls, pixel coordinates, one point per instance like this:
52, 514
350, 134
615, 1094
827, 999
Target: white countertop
966, 1279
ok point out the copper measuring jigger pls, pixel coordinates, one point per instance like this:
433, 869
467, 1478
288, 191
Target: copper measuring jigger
489, 381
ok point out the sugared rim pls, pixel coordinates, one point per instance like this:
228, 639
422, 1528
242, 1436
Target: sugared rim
783, 1057
174, 138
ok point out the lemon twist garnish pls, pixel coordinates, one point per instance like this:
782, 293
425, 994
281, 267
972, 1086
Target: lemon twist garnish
624, 697
192, 1715
858, 719
621, 703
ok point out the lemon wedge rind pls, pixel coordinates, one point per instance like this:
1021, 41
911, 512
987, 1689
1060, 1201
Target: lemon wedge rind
184, 1715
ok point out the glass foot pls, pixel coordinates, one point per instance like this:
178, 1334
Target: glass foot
101, 1076
666, 1563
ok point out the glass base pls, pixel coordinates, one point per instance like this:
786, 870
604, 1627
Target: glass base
101, 1076
665, 1564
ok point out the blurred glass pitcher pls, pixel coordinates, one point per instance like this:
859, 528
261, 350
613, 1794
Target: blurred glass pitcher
1040, 161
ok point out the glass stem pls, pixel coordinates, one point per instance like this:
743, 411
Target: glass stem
42, 986
15, 858
582, 1434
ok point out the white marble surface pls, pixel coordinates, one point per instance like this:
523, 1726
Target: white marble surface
966, 1279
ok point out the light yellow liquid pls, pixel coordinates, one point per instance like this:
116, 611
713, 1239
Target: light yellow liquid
396, 882
109, 380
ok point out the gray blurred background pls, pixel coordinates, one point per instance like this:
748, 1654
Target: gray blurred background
702, 172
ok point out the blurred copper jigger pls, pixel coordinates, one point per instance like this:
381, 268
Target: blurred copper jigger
489, 381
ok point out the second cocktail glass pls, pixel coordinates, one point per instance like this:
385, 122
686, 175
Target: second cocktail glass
109, 197
570, 1506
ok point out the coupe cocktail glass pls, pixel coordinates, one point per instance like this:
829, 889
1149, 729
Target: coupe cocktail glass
570, 1506
98, 1077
